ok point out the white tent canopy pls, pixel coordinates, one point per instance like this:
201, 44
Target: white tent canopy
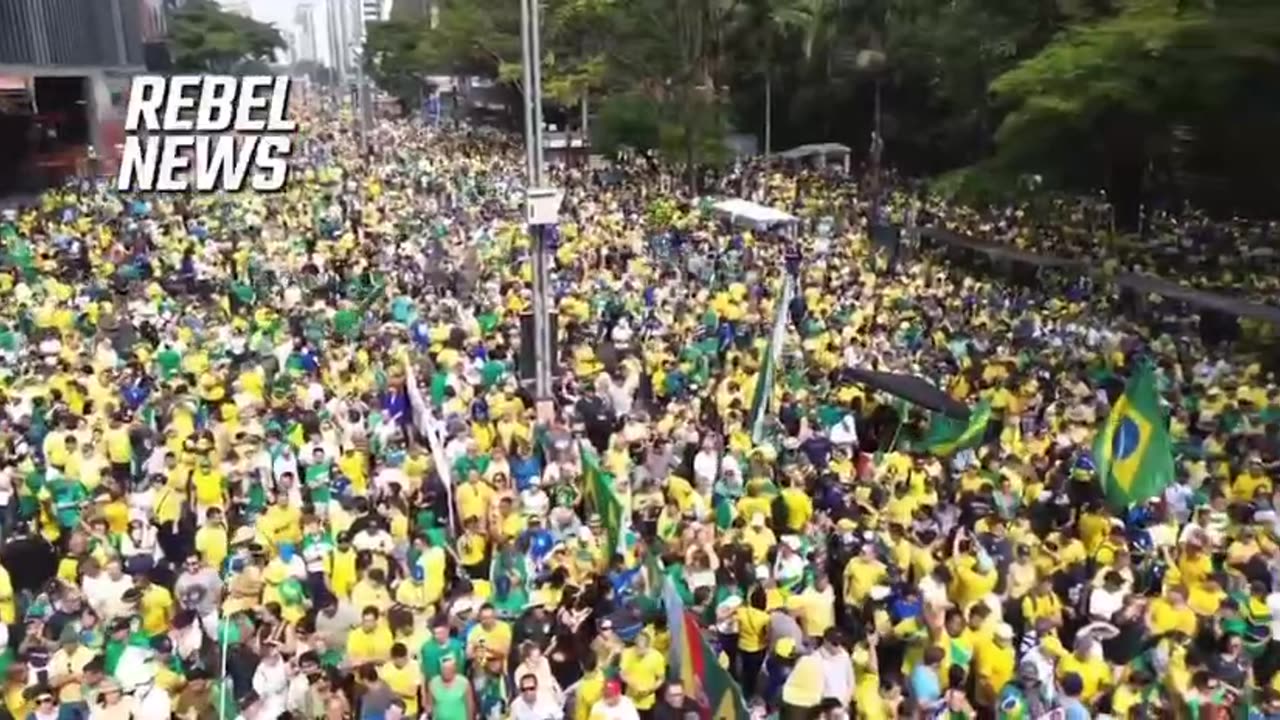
754, 214
823, 149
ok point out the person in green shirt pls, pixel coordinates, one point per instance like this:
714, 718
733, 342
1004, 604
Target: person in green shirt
1271, 413
67, 496
116, 643
316, 477
449, 693
439, 646
472, 460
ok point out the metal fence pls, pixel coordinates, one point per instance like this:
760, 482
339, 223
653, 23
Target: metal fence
71, 32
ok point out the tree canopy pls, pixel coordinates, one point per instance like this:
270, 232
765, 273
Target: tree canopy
205, 38
1151, 101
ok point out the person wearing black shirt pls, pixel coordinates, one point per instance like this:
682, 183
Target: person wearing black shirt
674, 705
535, 625
597, 416
1229, 664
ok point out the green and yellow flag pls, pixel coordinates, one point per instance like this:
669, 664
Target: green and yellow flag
948, 435
772, 354
599, 491
1132, 451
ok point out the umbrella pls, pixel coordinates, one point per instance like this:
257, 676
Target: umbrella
912, 388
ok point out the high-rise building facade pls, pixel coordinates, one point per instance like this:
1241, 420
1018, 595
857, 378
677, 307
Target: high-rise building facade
337, 20
304, 17
76, 58
376, 10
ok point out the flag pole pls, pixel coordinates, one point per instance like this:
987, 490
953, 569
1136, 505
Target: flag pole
222, 673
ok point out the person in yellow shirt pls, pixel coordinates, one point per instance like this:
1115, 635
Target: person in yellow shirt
282, 522
212, 541
803, 688
403, 678
643, 669
993, 666
871, 702
371, 591
8, 607
1171, 613
753, 637
799, 506
473, 549
817, 606
973, 577
590, 688
413, 591
66, 666
369, 644
759, 537
754, 503
344, 574
18, 699
1022, 574
473, 497
1195, 564
863, 572
490, 636
155, 604
1092, 669
1042, 603
114, 510
208, 482
1250, 481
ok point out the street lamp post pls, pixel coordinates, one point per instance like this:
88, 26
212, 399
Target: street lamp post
541, 205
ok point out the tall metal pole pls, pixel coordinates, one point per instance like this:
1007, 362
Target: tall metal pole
527, 85
544, 360
535, 36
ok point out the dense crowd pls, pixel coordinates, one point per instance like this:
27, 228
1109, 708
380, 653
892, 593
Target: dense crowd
222, 500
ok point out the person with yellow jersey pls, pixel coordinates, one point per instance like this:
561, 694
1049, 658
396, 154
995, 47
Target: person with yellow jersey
119, 452
993, 667
370, 643
211, 540
403, 678
753, 636
489, 636
861, 573
155, 603
643, 669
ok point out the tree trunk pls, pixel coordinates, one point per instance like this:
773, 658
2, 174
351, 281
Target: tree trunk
586, 122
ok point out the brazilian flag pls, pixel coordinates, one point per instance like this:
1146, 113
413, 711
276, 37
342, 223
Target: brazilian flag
599, 491
1132, 451
947, 435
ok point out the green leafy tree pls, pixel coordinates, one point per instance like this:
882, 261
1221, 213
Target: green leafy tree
391, 58
205, 38
675, 52
1104, 104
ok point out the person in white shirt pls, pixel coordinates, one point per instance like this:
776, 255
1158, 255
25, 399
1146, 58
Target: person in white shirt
153, 703
534, 705
837, 668
845, 432
707, 464
614, 705
285, 462
1106, 601
271, 682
